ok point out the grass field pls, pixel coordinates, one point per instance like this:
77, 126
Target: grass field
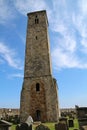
52, 125
13, 127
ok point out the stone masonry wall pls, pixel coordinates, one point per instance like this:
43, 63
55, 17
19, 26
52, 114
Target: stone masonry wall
42, 104
45, 100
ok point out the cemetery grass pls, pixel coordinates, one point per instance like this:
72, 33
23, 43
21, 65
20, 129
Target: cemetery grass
13, 127
52, 125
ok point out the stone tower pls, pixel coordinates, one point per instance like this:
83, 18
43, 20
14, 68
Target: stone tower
39, 92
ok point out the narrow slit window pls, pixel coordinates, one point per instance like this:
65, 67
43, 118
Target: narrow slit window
36, 37
37, 87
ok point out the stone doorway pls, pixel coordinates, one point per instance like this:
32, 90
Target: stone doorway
38, 115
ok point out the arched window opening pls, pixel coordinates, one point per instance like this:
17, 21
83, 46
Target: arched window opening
36, 20
37, 87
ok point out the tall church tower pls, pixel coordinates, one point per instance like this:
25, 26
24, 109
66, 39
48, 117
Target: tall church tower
39, 92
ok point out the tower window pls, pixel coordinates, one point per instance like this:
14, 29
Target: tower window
36, 37
37, 87
36, 20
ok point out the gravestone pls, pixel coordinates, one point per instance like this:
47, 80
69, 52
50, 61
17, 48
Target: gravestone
42, 127
71, 123
30, 127
29, 121
24, 126
82, 117
63, 120
4, 125
61, 126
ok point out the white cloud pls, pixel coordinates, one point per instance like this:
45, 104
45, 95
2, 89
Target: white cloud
25, 6
71, 24
6, 11
84, 43
83, 6
18, 75
63, 59
8, 55
84, 46
65, 17
69, 44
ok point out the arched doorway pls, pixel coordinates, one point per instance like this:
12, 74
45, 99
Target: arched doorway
38, 115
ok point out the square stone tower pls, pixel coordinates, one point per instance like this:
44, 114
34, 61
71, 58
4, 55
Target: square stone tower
39, 91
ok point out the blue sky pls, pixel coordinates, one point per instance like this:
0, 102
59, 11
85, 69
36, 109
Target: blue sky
68, 44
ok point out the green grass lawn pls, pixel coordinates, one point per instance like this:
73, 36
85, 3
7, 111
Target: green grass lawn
52, 125
13, 127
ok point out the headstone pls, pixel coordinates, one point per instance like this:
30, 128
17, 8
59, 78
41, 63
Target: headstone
42, 127
24, 126
61, 126
30, 127
63, 120
29, 121
4, 125
71, 123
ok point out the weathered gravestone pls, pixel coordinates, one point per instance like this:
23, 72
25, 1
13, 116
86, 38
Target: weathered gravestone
24, 126
71, 123
63, 120
82, 117
42, 127
29, 121
27, 125
61, 126
30, 127
4, 125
